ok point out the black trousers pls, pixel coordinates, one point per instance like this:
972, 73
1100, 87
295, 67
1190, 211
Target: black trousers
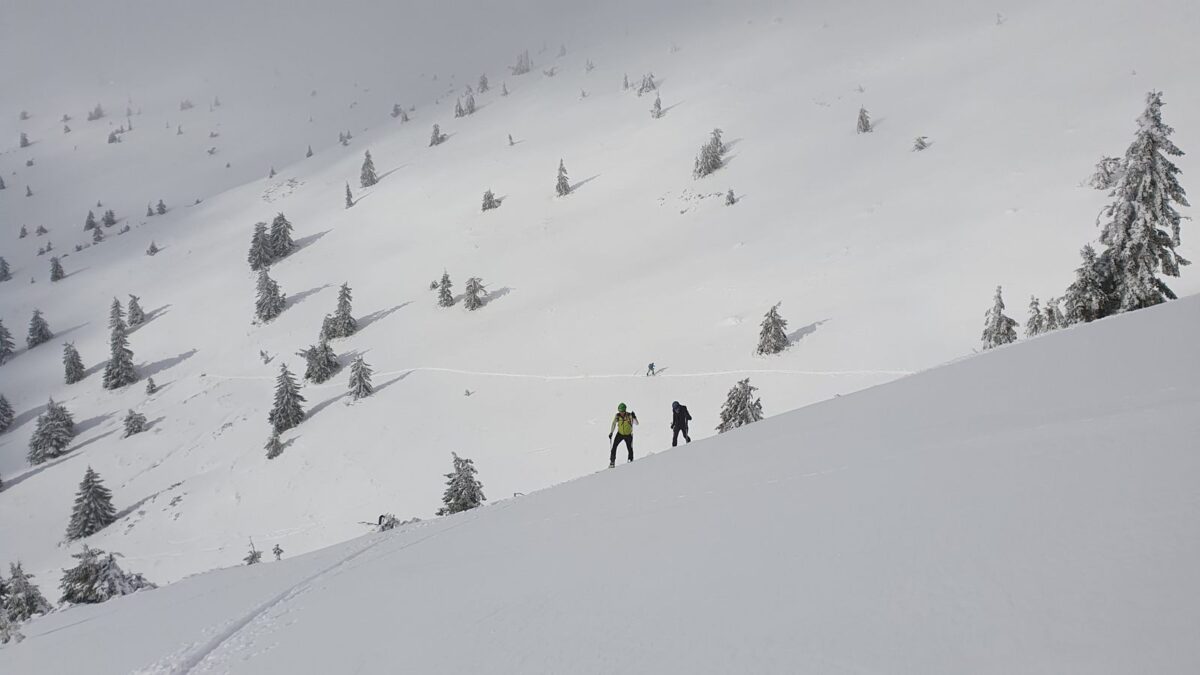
612, 456
675, 436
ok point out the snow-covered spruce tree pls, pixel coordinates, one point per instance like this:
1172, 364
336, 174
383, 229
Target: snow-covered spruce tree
116, 314
1088, 297
864, 121
22, 233
135, 423
24, 600
656, 109
28, 191
93, 509
489, 201
253, 556
474, 294
524, 64
97, 236
469, 104
437, 136
5, 271
109, 219
72, 364
9, 632
320, 362
6, 414
1141, 226
1108, 170
504, 89
6, 344
562, 186
773, 337
119, 370
269, 302
740, 407
281, 244
921, 143
161, 208
342, 324
287, 411
730, 198
483, 83
360, 379
150, 250
1036, 324
271, 173
56, 269
89, 223
39, 330
24, 140
41, 229
151, 387
1055, 309
396, 110
2, 185
309, 153
259, 256
458, 108
136, 316
349, 196
463, 490
998, 329
149, 211
97, 577
274, 446
52, 434
367, 177
711, 156
445, 292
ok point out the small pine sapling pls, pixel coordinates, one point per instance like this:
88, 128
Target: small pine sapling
773, 337
72, 364
998, 329
741, 407
474, 295
360, 379
562, 186
489, 201
135, 423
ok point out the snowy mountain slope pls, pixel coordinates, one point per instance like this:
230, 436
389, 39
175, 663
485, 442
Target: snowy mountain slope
1029, 510
884, 258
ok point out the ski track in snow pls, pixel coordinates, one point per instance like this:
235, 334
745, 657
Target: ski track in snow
531, 376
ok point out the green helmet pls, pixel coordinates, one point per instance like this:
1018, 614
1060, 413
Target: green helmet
620, 407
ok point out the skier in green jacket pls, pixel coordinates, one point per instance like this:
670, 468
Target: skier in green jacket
623, 425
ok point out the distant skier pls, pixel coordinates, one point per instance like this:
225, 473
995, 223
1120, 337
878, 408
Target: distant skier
650, 370
623, 425
679, 423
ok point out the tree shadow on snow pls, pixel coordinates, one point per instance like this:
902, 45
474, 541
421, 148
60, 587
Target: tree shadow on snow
154, 314
94, 369
90, 423
394, 380
495, 295
304, 242
389, 172
316, 409
154, 422
585, 181
10, 483
804, 331
381, 314
671, 107
298, 298
152, 369
26, 416
729, 145
81, 270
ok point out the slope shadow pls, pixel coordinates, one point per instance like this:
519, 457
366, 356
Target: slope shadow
26, 416
585, 181
134, 506
89, 441
94, 369
17, 480
152, 369
304, 242
381, 314
296, 299
804, 331
91, 423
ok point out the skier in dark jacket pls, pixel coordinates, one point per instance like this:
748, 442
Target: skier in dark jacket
679, 423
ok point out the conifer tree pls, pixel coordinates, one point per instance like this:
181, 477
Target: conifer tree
342, 324
656, 110
730, 199
458, 109
116, 314
998, 329
309, 153
711, 156
773, 337
9, 632
6, 414
72, 364
41, 229
89, 222
469, 104
39, 330
28, 191
56, 269
109, 219
463, 490
864, 121
271, 173
24, 140
52, 434
151, 387
360, 379
93, 509
6, 344
281, 244
503, 90
524, 65
161, 208
921, 143
740, 407
483, 83
562, 187
24, 600
1036, 324
23, 233
1141, 225
1088, 297
1108, 170
119, 370
489, 201
1053, 316
135, 423
152, 249
149, 210
2, 185
136, 316
287, 411
320, 362
368, 178
270, 301
475, 293
259, 256
445, 294
437, 136
349, 197
274, 446
5, 272
254, 556
97, 236
97, 577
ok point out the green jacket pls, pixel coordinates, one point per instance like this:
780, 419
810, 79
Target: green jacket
623, 423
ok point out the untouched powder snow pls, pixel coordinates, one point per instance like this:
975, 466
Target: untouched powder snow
1029, 510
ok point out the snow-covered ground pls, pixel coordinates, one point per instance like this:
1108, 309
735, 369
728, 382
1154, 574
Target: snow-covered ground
885, 259
1031, 510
